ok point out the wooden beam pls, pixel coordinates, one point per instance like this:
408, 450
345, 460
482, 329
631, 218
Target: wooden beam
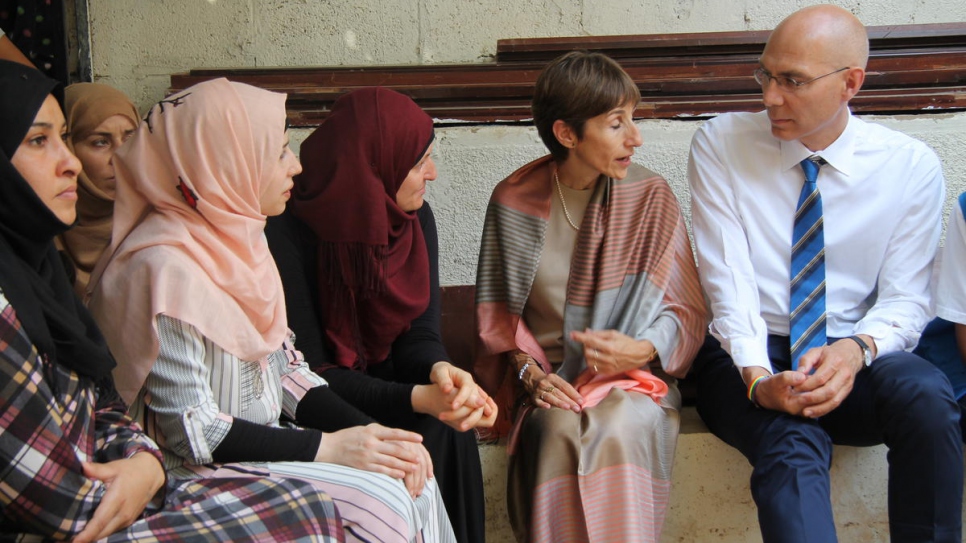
912, 68
705, 43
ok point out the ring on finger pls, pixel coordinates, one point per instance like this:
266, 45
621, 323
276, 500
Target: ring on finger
542, 395
551, 389
596, 354
595, 369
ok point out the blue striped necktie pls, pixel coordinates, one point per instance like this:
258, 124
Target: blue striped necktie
807, 322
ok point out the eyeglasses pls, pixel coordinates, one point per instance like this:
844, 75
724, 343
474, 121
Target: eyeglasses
762, 76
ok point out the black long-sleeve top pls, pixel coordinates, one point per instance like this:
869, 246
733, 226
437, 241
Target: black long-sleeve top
384, 391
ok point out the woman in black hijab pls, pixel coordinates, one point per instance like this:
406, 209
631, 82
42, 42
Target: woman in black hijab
68, 448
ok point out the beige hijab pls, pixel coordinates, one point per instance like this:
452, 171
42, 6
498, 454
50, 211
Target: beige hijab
87, 106
188, 239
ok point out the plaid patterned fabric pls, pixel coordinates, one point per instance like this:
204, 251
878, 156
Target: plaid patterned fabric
241, 509
51, 422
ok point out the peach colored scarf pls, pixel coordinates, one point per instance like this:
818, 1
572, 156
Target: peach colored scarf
88, 105
188, 238
594, 388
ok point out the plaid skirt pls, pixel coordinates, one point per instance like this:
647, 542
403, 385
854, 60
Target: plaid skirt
372, 506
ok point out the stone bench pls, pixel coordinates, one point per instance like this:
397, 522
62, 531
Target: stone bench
710, 498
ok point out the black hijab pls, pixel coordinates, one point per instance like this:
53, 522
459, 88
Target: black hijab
32, 273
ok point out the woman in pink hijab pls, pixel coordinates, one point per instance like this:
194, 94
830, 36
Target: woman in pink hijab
191, 303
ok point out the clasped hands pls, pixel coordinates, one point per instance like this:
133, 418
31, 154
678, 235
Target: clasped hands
823, 380
400, 454
607, 352
454, 398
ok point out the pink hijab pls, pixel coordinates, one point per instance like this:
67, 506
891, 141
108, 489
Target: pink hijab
188, 239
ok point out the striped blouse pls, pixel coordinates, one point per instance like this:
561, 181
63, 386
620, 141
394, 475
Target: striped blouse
196, 388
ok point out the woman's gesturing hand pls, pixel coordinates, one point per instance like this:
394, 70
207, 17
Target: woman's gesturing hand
609, 352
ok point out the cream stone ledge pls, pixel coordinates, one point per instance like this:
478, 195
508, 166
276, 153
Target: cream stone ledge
710, 499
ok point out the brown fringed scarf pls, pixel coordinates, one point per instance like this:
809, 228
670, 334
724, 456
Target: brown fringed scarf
87, 105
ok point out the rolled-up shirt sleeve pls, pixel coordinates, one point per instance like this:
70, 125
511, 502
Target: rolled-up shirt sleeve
296, 376
185, 385
178, 394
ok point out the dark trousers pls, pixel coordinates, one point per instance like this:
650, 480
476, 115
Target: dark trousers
901, 400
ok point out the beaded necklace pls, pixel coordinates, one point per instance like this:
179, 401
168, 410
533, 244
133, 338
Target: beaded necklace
563, 203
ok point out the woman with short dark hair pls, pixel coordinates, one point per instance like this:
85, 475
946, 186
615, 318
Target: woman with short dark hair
588, 304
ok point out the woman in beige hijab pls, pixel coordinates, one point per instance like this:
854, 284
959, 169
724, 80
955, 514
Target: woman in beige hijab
100, 119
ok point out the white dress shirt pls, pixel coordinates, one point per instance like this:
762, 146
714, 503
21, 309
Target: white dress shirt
882, 195
950, 287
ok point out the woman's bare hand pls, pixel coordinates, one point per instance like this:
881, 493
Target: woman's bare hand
131, 483
373, 448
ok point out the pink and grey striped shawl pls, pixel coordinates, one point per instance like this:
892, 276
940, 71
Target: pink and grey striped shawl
632, 271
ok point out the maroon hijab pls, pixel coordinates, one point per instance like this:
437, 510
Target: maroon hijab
373, 268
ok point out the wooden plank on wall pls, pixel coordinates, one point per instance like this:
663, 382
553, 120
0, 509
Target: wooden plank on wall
912, 68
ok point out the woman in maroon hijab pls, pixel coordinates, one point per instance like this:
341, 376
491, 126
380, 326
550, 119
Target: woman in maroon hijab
358, 257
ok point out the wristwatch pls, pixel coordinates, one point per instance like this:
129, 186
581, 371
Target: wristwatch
866, 351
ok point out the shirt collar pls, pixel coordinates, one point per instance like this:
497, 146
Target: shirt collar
839, 154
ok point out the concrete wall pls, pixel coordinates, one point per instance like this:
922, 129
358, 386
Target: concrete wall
471, 160
137, 44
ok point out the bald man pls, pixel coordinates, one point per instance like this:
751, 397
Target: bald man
815, 235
